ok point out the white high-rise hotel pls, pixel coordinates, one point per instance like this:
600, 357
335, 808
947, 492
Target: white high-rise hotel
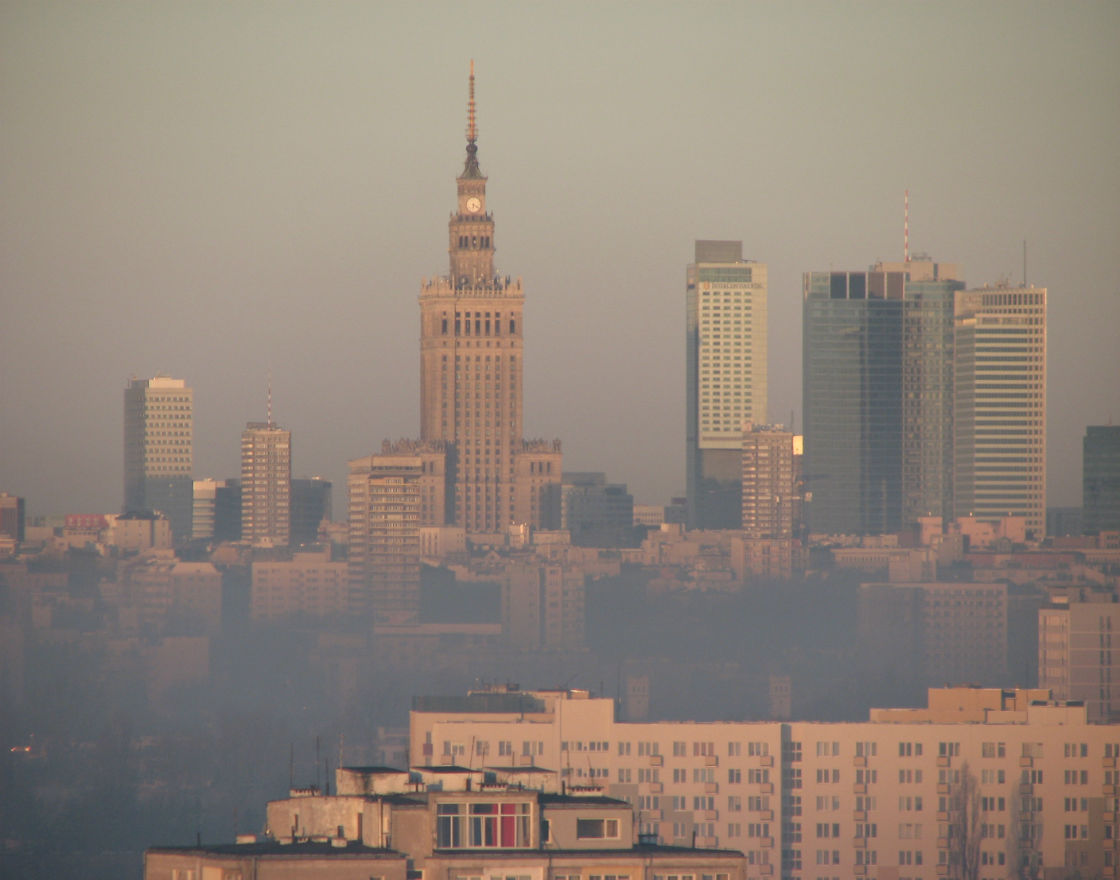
725, 370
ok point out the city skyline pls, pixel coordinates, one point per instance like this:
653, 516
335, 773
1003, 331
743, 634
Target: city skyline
181, 199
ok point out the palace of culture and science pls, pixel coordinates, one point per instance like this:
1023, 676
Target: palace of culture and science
471, 469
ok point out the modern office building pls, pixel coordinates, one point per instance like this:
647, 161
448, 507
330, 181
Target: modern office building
768, 482
311, 504
1076, 657
266, 484
725, 376
999, 412
13, 517
594, 512
471, 366
217, 510
158, 451
1100, 463
927, 386
976, 784
878, 393
852, 400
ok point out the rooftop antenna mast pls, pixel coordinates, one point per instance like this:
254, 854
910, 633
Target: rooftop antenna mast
906, 227
270, 399
1024, 262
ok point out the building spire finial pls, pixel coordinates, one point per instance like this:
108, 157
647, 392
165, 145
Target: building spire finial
471, 169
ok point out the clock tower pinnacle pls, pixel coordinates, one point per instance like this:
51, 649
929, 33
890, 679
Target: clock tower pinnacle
471, 245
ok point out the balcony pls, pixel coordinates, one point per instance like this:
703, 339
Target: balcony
766, 842
1026, 788
942, 788
711, 787
766, 870
656, 788
766, 815
859, 761
766, 761
943, 816
942, 870
859, 816
859, 870
860, 788
1109, 818
943, 760
1026, 761
656, 761
943, 843
711, 760
766, 788
860, 843
1108, 763
650, 815
1109, 790
711, 815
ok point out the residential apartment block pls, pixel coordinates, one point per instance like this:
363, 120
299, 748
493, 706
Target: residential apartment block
768, 488
981, 778
1076, 657
443, 822
266, 485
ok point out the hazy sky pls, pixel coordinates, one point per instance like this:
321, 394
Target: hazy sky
214, 190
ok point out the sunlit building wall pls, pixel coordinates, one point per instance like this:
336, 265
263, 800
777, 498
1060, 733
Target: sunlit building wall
725, 376
999, 416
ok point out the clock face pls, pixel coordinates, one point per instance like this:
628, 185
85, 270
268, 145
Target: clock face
473, 204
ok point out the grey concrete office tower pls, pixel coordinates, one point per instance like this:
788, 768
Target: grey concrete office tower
878, 396
1100, 479
725, 369
158, 451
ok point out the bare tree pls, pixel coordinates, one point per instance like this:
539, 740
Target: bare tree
1024, 853
964, 827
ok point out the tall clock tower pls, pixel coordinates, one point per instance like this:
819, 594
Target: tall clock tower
471, 347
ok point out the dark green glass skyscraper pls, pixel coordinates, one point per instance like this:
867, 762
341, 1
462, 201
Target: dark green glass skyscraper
1101, 479
877, 396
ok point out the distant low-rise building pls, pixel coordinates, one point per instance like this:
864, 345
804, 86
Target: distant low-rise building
13, 516
1076, 657
594, 512
311, 584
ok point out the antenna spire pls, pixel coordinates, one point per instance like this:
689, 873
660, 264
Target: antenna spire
270, 399
906, 227
472, 127
471, 169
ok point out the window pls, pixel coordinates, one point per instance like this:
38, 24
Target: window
596, 829
482, 825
